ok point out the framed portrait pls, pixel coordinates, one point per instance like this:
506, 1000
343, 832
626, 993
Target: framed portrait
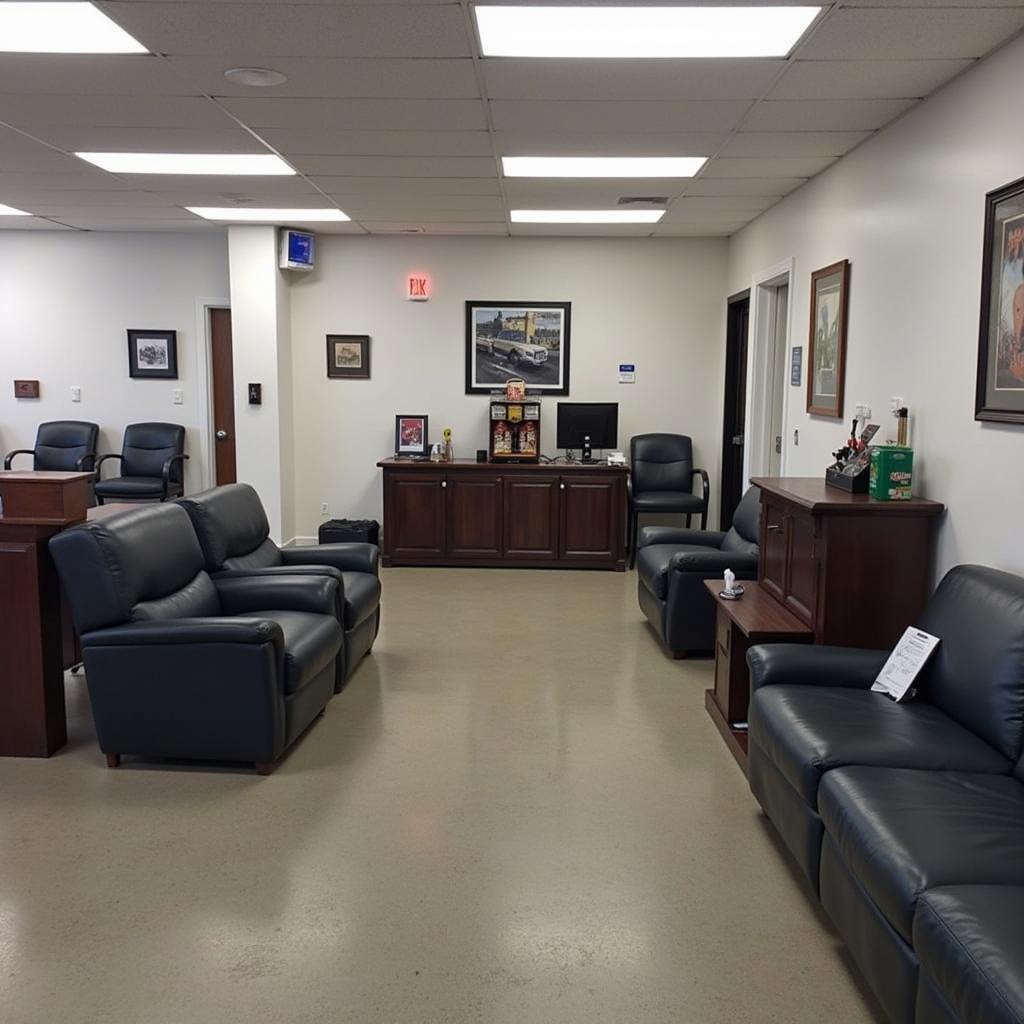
348, 356
411, 436
999, 395
153, 355
517, 339
826, 344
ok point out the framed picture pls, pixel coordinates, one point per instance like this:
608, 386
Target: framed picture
826, 344
153, 354
517, 339
348, 355
999, 395
411, 435
26, 389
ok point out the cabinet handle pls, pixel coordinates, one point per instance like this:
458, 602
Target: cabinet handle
774, 527
444, 483
561, 487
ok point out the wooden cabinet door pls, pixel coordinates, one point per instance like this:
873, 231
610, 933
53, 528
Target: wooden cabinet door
414, 515
774, 545
474, 510
531, 516
802, 580
592, 524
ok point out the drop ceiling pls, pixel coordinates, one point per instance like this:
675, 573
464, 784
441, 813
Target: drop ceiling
391, 114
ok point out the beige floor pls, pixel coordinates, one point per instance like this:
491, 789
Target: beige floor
517, 812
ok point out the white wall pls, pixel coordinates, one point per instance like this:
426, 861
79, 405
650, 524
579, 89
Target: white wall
907, 210
657, 303
66, 301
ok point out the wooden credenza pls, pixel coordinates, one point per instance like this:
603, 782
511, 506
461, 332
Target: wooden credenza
528, 516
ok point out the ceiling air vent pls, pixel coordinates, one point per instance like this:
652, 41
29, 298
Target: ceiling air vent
643, 200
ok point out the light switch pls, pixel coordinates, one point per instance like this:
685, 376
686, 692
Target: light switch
76, 393
178, 396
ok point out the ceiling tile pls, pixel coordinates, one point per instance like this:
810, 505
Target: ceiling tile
704, 208
66, 212
617, 116
879, 33
412, 228
243, 185
535, 143
125, 110
767, 167
79, 74
118, 139
583, 230
87, 222
42, 197
340, 186
86, 178
865, 79
359, 114
31, 224
743, 186
792, 144
437, 215
303, 141
823, 115
396, 166
721, 229
419, 206
569, 193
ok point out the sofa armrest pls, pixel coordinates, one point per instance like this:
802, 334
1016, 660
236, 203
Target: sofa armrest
714, 563
671, 535
210, 630
353, 557
241, 595
808, 665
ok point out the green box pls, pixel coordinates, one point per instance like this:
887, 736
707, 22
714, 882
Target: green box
892, 473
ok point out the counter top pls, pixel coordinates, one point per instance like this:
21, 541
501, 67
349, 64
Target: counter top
813, 494
513, 467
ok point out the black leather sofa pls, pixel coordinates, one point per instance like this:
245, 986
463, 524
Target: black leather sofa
179, 665
234, 533
908, 819
671, 567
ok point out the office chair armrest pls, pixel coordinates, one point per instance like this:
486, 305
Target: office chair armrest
705, 484
103, 458
180, 457
17, 451
807, 665
351, 556
204, 630
87, 457
242, 595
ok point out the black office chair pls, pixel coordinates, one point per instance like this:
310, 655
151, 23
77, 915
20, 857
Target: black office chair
661, 481
152, 457
64, 446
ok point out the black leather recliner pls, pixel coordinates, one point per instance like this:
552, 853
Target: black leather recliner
233, 530
180, 665
152, 456
672, 565
908, 819
67, 446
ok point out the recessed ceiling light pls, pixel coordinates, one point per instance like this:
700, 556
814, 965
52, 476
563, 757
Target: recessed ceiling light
61, 28
602, 166
10, 211
586, 216
188, 163
641, 31
267, 216
258, 78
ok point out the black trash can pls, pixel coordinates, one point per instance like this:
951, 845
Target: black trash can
345, 531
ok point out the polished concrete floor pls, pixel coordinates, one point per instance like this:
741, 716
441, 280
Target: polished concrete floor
516, 812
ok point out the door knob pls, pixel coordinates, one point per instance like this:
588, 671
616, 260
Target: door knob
737, 439
222, 435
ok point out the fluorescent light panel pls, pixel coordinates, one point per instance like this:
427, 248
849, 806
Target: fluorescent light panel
641, 31
586, 216
10, 211
267, 216
602, 166
61, 28
189, 163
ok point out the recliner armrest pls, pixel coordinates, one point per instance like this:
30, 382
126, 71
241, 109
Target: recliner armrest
200, 630
806, 665
671, 535
352, 557
714, 562
240, 595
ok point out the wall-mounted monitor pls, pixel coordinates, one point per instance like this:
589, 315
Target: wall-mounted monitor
298, 250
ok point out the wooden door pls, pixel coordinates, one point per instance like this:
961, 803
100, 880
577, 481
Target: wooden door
734, 419
592, 525
414, 515
474, 515
774, 544
222, 375
531, 516
802, 581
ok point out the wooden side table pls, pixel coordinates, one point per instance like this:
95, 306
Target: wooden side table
756, 618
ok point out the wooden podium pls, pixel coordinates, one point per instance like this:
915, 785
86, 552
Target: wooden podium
35, 506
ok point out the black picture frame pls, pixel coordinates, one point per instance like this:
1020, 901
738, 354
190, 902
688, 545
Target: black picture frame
358, 369
999, 387
153, 355
491, 359
423, 433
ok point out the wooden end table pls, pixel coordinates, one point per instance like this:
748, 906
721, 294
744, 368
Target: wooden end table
756, 618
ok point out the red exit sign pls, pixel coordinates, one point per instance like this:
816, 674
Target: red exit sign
417, 287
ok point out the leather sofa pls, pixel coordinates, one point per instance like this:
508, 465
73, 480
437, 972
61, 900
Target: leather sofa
671, 568
179, 665
908, 819
234, 533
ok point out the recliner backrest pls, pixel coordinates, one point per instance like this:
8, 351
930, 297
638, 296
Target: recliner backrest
137, 565
976, 674
147, 446
232, 528
745, 533
661, 462
61, 443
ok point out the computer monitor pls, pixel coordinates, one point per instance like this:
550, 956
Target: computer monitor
597, 420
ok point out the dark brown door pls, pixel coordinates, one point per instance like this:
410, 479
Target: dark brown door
414, 515
223, 375
591, 519
733, 425
802, 585
474, 515
774, 546
531, 516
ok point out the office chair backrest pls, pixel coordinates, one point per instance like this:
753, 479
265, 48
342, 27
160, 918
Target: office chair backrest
745, 533
661, 462
61, 443
232, 528
147, 446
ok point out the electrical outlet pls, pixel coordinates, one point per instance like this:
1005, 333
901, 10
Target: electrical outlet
76, 393
324, 509
178, 396
796, 438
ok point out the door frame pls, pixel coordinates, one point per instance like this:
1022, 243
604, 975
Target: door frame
725, 514
206, 470
763, 301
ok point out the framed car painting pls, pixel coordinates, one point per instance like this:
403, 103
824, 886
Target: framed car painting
999, 393
517, 339
826, 344
153, 355
348, 356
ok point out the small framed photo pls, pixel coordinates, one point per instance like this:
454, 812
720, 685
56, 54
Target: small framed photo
348, 356
411, 435
153, 355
